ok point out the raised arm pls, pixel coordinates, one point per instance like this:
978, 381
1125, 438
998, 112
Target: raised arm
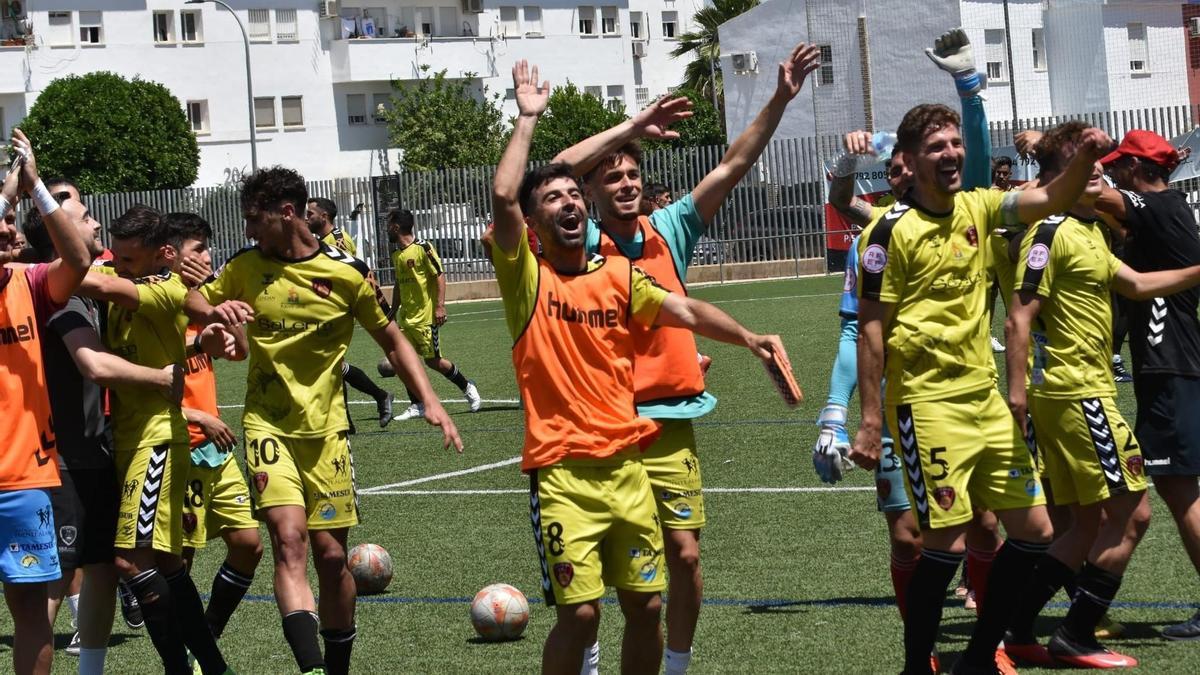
868, 442
681, 311
841, 188
952, 53
1023, 309
745, 150
506, 188
652, 122
1060, 194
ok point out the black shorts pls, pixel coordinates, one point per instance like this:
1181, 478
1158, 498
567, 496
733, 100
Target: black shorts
85, 513
1168, 423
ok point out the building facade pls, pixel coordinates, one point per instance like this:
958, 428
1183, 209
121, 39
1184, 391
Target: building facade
321, 71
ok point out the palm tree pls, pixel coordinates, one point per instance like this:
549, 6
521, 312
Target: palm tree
703, 73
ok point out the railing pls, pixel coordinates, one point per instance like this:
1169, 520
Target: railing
776, 213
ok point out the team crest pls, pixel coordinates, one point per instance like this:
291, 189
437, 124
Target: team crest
260, 481
1135, 464
883, 488
973, 236
189, 522
945, 497
67, 534
29, 560
564, 573
322, 287
412, 264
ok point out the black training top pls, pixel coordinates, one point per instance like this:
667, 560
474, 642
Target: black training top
83, 436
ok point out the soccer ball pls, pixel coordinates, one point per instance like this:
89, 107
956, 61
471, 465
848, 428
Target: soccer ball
371, 567
385, 368
499, 612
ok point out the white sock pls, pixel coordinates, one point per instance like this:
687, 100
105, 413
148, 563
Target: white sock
676, 662
1117, 359
591, 660
91, 661
73, 604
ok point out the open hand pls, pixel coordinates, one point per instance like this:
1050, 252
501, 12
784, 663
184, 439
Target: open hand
804, 59
531, 98
654, 120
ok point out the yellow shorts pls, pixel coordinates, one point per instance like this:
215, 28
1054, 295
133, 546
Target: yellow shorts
424, 340
595, 525
960, 454
1088, 452
314, 473
674, 471
153, 481
217, 500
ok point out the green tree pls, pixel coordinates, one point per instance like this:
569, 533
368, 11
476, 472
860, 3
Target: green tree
571, 116
439, 123
703, 44
704, 127
110, 134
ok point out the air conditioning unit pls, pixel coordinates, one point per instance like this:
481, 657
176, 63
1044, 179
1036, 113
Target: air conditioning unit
329, 8
639, 50
744, 62
472, 6
1194, 26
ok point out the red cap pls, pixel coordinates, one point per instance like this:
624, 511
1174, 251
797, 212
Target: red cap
1146, 145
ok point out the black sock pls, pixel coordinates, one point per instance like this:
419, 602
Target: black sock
926, 593
456, 377
346, 401
1070, 586
412, 396
338, 643
228, 589
1049, 575
356, 378
1010, 575
300, 630
189, 613
1097, 588
154, 597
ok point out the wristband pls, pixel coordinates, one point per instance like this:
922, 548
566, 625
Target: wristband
196, 346
846, 165
968, 83
46, 203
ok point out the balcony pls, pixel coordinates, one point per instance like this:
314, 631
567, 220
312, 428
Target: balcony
373, 60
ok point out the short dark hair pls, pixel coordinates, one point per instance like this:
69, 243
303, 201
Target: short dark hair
403, 219
59, 182
632, 150
183, 226
325, 205
1002, 160
1050, 145
38, 237
922, 120
269, 189
655, 190
535, 178
143, 223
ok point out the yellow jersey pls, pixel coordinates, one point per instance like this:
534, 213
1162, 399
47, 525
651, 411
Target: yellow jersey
339, 238
153, 336
931, 268
1068, 263
304, 320
417, 269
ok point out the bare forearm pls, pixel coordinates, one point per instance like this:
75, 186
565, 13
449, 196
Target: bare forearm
197, 308
586, 154
1146, 285
1016, 355
109, 370
704, 319
441, 290
870, 372
116, 290
507, 183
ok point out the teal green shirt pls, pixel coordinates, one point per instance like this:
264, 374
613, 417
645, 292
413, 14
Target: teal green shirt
209, 455
681, 226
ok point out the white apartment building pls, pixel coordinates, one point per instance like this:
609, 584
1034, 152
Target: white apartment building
1052, 56
322, 70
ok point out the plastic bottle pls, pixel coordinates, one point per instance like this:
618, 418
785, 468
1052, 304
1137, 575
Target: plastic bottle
883, 142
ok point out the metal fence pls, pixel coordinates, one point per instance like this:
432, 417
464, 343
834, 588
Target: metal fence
776, 213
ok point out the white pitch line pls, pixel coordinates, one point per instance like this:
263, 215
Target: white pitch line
441, 476
382, 490
444, 400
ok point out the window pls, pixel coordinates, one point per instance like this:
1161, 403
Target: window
609, 22
164, 27
425, 20
635, 25
260, 25
1138, 53
825, 76
378, 16
616, 98
587, 20
994, 53
533, 20
448, 23
356, 108
382, 103
189, 26
1039, 49
597, 92
59, 31
285, 25
197, 114
91, 28
508, 21
264, 112
669, 19
642, 96
293, 111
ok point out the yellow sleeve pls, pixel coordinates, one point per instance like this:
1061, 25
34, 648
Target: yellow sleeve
1114, 265
881, 263
1040, 257
517, 276
985, 207
222, 285
368, 305
432, 261
646, 297
159, 296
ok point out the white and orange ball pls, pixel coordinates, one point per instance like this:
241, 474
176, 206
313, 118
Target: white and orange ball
499, 612
371, 567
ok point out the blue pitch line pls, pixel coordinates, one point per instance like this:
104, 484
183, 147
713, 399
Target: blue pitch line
727, 602
507, 430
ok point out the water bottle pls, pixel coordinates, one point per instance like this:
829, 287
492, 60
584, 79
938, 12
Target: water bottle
883, 142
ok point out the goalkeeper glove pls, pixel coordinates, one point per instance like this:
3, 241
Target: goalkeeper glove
952, 53
833, 445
